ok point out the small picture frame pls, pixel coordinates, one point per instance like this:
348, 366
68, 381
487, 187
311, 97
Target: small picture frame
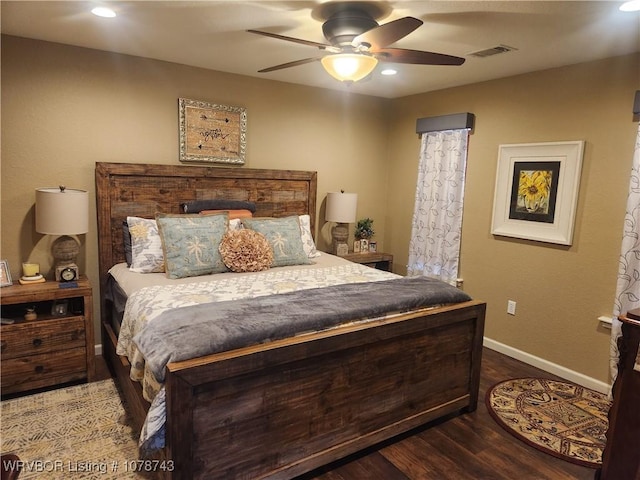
356, 246
364, 245
342, 249
5, 274
373, 247
60, 308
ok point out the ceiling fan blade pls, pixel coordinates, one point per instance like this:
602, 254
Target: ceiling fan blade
380, 37
418, 57
289, 64
310, 43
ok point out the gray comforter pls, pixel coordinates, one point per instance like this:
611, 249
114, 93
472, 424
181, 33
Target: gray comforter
199, 330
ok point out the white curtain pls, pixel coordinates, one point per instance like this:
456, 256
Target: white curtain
434, 248
628, 286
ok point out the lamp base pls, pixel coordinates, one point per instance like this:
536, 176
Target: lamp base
340, 234
65, 250
341, 249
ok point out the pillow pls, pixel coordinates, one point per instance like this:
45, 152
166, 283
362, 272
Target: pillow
126, 243
196, 206
190, 243
235, 224
246, 251
146, 246
307, 239
284, 237
242, 213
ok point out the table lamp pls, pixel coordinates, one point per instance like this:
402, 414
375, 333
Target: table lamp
341, 208
63, 211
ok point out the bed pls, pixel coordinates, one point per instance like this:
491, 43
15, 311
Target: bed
280, 408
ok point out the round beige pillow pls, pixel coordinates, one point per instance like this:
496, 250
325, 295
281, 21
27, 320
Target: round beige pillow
246, 251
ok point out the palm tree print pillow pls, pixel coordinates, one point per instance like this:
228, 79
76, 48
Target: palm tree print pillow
284, 237
190, 243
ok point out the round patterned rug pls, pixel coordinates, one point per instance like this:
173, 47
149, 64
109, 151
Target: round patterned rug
559, 418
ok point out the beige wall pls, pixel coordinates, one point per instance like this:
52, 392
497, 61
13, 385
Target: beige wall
64, 108
560, 291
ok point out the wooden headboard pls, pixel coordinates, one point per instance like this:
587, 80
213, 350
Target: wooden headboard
142, 190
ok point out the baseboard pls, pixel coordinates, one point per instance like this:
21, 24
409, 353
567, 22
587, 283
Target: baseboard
548, 366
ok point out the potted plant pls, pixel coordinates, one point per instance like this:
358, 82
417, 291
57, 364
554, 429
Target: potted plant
363, 234
364, 229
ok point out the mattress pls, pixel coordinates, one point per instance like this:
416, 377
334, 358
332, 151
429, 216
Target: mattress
129, 282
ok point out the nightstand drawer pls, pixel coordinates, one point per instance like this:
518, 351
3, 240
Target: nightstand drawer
41, 336
26, 373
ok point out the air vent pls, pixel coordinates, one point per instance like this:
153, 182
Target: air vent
492, 51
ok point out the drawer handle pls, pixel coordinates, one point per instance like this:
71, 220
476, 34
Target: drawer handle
3, 346
37, 342
39, 369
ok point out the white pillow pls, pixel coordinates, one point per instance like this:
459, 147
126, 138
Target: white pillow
307, 239
235, 224
146, 246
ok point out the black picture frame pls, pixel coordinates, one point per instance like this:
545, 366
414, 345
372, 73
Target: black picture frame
539, 182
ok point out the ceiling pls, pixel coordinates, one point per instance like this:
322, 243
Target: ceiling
212, 35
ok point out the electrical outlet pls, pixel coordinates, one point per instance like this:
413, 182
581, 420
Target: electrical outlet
511, 307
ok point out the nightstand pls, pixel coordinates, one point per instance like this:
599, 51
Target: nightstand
55, 348
381, 261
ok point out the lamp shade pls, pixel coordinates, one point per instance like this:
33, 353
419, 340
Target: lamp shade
341, 207
62, 211
349, 67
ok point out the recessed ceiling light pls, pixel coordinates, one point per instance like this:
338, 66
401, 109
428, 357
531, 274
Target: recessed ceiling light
630, 6
103, 12
388, 71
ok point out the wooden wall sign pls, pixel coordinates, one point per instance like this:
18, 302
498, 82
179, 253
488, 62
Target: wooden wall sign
212, 133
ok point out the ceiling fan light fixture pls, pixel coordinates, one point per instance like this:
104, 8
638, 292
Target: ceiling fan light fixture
630, 6
103, 12
349, 67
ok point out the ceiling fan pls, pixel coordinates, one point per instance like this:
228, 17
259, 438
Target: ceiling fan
357, 42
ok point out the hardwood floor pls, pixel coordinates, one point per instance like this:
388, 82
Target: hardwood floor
471, 446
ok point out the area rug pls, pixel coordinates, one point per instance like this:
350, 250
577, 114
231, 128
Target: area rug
559, 418
75, 432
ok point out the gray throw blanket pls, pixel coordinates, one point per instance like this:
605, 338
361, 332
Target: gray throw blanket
203, 329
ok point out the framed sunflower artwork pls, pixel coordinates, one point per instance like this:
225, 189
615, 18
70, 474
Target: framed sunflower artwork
536, 191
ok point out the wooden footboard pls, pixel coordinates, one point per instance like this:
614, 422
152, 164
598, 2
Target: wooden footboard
284, 408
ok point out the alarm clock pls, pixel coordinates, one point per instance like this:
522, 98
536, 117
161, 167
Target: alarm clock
67, 273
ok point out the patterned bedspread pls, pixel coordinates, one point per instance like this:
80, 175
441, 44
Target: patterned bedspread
149, 303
